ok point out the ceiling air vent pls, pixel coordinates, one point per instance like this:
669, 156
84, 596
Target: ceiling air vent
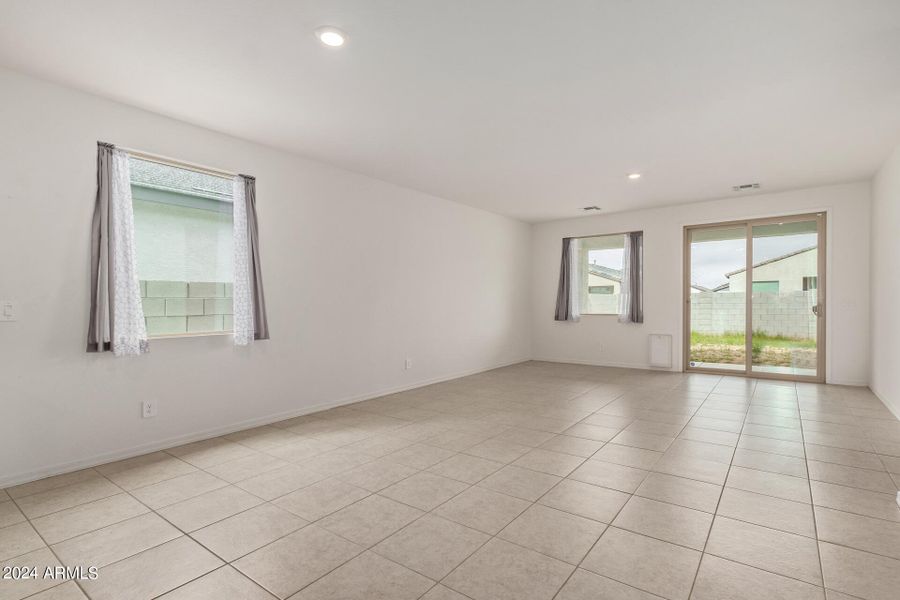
745, 187
591, 208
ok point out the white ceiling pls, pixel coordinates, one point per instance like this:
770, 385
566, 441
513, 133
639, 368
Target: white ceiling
530, 108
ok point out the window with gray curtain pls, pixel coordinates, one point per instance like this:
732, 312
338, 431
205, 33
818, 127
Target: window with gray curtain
601, 275
175, 251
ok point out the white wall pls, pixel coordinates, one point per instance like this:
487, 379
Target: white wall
886, 283
601, 339
445, 285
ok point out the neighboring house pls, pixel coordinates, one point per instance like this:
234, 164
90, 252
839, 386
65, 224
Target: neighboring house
601, 295
155, 182
604, 280
696, 288
785, 293
792, 272
178, 213
183, 227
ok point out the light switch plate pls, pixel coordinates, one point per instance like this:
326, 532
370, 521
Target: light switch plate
7, 310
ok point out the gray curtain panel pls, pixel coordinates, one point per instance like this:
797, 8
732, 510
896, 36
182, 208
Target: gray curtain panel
260, 321
116, 320
100, 328
565, 303
632, 309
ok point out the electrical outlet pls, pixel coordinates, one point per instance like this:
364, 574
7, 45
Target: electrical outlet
148, 409
7, 310
408, 364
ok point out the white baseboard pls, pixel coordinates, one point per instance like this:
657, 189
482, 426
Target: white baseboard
591, 363
891, 406
647, 367
132, 451
848, 382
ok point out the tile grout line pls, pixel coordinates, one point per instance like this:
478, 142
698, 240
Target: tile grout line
188, 535
722, 491
494, 536
815, 516
533, 503
421, 516
371, 548
50, 549
624, 504
365, 548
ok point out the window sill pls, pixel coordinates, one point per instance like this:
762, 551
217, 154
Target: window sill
170, 336
599, 314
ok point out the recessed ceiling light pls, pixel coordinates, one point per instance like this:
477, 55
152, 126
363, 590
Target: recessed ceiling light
634, 176
331, 36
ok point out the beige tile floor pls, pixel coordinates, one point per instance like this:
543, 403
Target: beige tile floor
535, 481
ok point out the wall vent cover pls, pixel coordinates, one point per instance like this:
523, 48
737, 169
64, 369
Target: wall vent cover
661, 350
745, 186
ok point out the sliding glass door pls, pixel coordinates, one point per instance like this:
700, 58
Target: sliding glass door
718, 310
785, 301
754, 297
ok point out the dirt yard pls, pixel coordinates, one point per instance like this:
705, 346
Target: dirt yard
803, 358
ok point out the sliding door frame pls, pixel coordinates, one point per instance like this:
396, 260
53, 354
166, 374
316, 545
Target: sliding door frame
822, 313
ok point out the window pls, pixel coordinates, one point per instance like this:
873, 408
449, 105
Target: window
183, 222
766, 287
601, 289
810, 283
600, 259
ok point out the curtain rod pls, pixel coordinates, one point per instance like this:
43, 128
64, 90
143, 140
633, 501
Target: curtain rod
174, 162
582, 237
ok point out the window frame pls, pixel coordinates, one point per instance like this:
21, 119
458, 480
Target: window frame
586, 287
611, 288
147, 195
777, 283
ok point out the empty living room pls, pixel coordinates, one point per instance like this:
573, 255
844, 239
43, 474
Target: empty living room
450, 300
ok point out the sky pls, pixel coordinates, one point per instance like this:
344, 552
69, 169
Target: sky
711, 260
607, 258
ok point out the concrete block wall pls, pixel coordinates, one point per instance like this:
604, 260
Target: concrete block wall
180, 307
788, 314
600, 304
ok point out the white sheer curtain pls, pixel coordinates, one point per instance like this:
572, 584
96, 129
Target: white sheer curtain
129, 328
575, 280
117, 315
624, 294
244, 326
